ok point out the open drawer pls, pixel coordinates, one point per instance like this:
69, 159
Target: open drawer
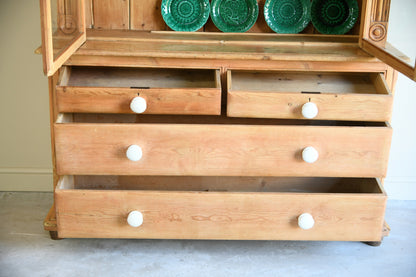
139, 90
219, 146
309, 95
255, 208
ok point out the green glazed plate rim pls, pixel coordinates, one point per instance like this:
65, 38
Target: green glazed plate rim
299, 26
179, 26
217, 19
353, 11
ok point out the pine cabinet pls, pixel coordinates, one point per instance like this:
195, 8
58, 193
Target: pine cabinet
211, 135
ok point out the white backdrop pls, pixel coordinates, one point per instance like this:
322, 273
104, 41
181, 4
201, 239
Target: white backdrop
401, 175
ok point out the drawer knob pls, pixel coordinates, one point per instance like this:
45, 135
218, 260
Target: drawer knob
306, 221
309, 110
135, 219
138, 104
134, 153
310, 154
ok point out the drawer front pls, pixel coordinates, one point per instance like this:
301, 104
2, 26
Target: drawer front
355, 98
221, 150
160, 91
198, 101
219, 215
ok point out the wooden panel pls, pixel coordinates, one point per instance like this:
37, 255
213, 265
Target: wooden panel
219, 215
265, 47
131, 61
221, 150
89, 17
159, 101
146, 15
361, 97
111, 14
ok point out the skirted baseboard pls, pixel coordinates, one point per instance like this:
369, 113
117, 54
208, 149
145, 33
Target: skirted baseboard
26, 179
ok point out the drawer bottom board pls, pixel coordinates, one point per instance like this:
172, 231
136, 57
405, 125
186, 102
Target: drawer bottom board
264, 209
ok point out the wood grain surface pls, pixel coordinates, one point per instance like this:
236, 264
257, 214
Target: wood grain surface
228, 150
219, 215
338, 96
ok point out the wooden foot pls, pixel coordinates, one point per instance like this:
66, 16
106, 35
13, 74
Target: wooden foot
373, 243
385, 232
54, 235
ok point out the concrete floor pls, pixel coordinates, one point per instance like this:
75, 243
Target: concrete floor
26, 250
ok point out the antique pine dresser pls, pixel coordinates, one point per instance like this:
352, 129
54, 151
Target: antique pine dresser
209, 135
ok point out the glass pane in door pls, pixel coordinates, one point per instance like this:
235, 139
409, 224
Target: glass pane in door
65, 24
63, 31
401, 29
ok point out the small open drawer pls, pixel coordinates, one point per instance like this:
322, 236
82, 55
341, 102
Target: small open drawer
251, 208
300, 95
139, 90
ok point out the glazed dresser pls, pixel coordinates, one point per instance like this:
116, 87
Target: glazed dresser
207, 135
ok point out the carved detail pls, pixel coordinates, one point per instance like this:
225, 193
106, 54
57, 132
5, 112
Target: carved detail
380, 10
378, 21
378, 32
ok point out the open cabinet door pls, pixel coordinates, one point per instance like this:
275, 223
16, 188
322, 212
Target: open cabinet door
63, 31
375, 39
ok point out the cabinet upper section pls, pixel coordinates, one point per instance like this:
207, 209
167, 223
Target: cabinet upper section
64, 25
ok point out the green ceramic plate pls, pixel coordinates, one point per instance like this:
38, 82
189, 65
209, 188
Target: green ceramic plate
334, 16
185, 15
235, 16
287, 16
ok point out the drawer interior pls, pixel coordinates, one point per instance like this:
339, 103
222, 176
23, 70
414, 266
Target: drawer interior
197, 119
307, 82
82, 76
223, 184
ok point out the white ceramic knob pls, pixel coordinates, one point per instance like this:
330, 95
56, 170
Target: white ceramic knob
135, 219
138, 104
306, 221
309, 110
134, 153
310, 154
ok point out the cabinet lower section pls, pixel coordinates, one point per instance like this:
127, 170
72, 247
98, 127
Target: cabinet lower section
243, 208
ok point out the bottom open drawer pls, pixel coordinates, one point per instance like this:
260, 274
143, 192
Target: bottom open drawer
244, 208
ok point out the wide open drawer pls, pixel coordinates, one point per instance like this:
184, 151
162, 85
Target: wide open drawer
300, 95
220, 208
217, 146
162, 91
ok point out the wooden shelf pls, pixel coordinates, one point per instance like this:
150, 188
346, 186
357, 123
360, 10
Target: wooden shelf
216, 50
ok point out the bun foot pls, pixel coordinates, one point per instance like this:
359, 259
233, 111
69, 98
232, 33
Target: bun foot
54, 235
373, 243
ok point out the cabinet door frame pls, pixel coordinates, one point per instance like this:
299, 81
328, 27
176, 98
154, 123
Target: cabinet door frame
50, 63
373, 37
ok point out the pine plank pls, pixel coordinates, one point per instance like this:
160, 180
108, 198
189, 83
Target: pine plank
362, 97
146, 15
225, 150
219, 215
159, 101
111, 14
